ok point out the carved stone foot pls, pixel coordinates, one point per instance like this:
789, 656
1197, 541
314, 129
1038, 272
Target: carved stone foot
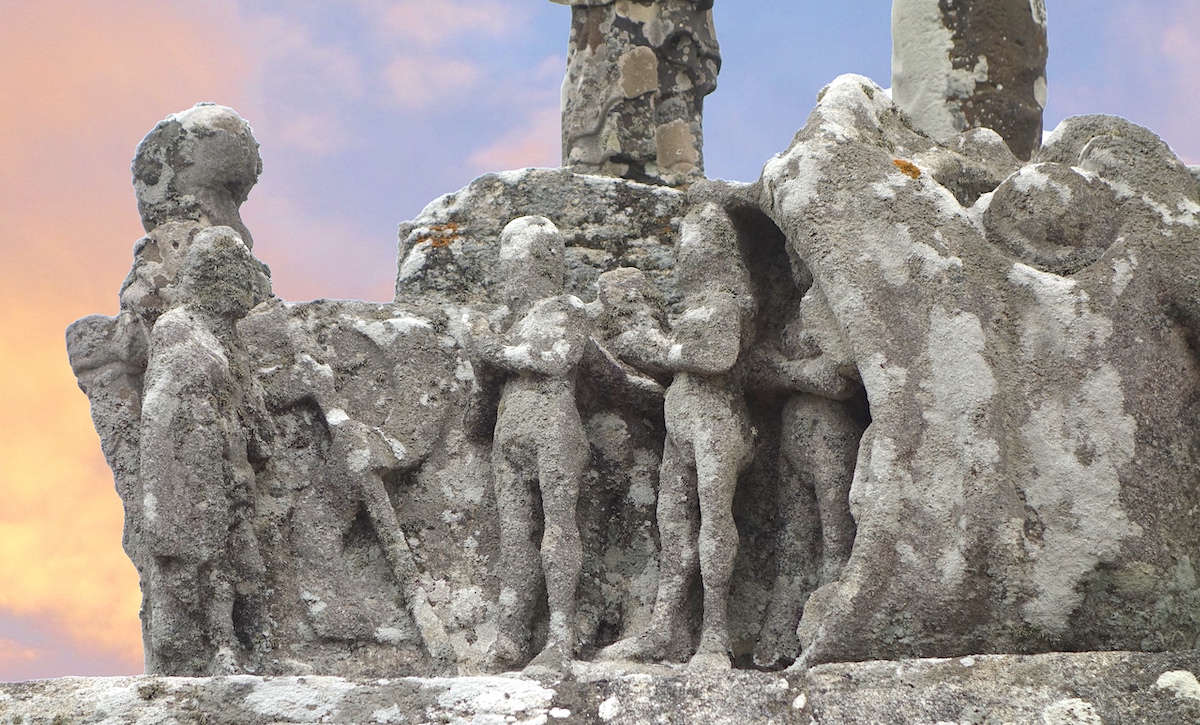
647, 646
507, 655
710, 662
712, 655
552, 663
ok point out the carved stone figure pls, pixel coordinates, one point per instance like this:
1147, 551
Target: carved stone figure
972, 64
637, 75
190, 173
198, 483
539, 448
708, 438
819, 436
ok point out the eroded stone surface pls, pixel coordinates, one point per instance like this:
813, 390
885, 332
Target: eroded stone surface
899, 397
1055, 689
1023, 424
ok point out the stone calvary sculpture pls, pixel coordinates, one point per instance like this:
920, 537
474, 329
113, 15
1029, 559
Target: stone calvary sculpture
927, 388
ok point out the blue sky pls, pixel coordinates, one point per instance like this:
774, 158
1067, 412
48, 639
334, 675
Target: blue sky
366, 110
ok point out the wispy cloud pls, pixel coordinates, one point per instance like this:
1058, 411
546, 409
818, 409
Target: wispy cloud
535, 142
422, 83
435, 23
15, 653
307, 86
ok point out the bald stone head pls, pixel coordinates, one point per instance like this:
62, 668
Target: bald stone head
197, 165
532, 261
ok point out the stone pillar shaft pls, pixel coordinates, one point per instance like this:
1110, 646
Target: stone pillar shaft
632, 99
960, 64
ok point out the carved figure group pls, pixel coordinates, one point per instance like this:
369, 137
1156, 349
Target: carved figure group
540, 446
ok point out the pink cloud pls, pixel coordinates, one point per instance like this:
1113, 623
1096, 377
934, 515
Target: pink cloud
319, 82
1158, 44
15, 653
1180, 48
419, 84
432, 23
314, 253
536, 142
318, 133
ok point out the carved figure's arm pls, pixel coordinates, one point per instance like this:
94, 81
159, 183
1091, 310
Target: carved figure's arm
707, 337
549, 340
817, 375
644, 347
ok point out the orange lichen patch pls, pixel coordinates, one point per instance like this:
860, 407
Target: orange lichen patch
907, 167
442, 235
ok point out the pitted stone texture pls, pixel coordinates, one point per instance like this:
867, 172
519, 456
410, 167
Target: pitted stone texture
962, 64
1130, 157
1028, 480
450, 253
633, 97
1053, 689
180, 417
1060, 689
971, 165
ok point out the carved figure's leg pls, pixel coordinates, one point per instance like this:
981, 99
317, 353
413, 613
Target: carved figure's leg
400, 557
513, 467
818, 447
721, 453
560, 469
677, 515
796, 560
827, 461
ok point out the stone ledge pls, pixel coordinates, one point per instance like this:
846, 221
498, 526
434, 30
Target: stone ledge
1090, 688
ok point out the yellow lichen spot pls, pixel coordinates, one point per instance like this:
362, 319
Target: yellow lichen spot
907, 167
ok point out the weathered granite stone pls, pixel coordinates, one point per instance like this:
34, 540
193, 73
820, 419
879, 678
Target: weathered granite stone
1029, 477
633, 96
708, 440
539, 355
903, 396
961, 64
450, 252
1059, 689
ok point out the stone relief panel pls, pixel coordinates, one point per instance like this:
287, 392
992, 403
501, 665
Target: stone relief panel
902, 396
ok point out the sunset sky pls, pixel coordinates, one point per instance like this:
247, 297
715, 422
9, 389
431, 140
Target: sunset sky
366, 110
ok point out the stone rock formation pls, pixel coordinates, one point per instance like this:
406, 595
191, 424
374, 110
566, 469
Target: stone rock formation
1024, 482
962, 64
1055, 689
907, 395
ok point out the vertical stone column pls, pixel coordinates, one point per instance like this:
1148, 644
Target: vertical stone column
633, 96
960, 64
